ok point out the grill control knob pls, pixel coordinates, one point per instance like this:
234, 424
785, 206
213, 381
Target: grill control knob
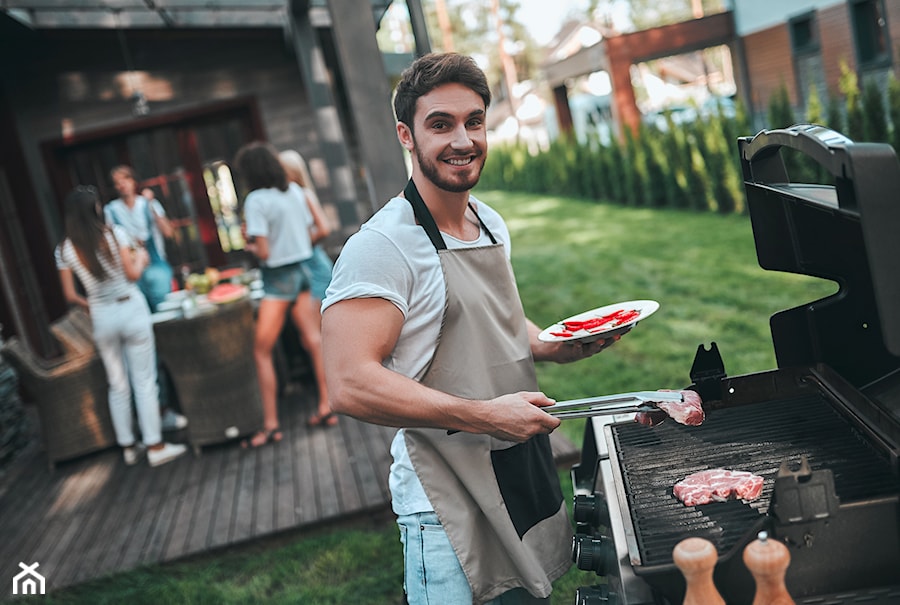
768, 561
592, 554
696, 558
588, 508
595, 595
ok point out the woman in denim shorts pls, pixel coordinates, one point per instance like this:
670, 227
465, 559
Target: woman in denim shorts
277, 225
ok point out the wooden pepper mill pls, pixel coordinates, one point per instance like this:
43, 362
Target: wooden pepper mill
696, 558
768, 561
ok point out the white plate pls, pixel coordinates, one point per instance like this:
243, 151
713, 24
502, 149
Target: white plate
559, 333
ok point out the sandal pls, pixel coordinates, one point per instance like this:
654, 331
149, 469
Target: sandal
324, 420
261, 438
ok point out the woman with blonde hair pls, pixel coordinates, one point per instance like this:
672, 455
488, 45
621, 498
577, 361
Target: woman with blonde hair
319, 265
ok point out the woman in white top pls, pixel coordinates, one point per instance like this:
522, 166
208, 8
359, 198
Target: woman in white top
107, 263
277, 224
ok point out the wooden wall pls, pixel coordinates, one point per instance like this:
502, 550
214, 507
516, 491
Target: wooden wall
78, 86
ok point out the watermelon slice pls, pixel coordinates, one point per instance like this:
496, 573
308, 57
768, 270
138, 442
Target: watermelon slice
227, 292
228, 274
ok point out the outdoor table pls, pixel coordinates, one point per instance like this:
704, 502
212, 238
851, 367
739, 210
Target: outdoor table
208, 352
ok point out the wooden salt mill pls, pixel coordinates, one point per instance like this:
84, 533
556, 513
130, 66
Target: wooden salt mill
696, 558
768, 561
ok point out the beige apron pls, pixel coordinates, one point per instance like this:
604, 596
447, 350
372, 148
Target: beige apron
500, 502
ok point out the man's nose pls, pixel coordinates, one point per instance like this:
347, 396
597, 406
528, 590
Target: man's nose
461, 138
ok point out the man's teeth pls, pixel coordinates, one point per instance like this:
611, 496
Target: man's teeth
460, 162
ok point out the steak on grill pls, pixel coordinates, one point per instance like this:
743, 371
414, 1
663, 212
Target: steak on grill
717, 484
688, 411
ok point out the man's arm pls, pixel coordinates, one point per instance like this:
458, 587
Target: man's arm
357, 334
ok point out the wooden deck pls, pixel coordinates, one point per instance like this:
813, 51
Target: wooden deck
94, 516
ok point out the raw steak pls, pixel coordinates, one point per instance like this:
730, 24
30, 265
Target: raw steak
717, 484
689, 411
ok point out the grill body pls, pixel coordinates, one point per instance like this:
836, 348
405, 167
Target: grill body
822, 429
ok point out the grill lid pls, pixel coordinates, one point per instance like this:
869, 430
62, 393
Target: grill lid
844, 232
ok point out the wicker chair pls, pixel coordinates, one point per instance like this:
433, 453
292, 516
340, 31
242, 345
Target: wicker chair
70, 392
210, 360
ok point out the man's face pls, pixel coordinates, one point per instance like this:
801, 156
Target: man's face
124, 184
450, 137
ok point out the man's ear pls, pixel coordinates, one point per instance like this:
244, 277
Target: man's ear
404, 133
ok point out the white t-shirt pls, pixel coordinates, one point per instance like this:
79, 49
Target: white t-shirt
392, 258
136, 220
283, 217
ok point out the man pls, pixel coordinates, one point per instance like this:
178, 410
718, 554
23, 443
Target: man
144, 218
423, 329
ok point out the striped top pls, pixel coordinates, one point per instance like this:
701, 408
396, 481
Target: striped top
115, 286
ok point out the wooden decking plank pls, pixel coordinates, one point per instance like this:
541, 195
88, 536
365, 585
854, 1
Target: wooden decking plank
93, 561
355, 455
30, 493
167, 512
245, 497
264, 492
142, 526
329, 504
368, 452
83, 486
220, 530
305, 496
55, 511
183, 518
83, 550
207, 501
339, 454
284, 506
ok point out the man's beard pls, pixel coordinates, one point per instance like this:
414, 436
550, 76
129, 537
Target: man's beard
431, 171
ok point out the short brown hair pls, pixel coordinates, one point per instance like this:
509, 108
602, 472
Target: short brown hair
432, 70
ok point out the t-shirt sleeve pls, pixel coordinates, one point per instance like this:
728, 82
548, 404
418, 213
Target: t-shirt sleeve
58, 257
254, 217
371, 266
108, 214
158, 209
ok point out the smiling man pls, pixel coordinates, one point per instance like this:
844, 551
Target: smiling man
423, 330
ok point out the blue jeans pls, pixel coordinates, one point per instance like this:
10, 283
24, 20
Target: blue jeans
432, 574
123, 332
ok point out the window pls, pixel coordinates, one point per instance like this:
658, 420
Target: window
870, 33
804, 38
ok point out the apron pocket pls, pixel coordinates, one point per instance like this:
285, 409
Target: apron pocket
528, 482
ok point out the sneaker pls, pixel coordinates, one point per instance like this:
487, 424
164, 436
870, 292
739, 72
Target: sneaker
167, 453
172, 421
132, 454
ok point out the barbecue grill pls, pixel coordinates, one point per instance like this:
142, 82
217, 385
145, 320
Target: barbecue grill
822, 429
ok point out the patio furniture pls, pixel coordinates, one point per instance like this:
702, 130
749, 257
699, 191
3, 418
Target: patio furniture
209, 358
70, 392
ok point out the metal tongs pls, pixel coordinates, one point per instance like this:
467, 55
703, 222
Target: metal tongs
608, 405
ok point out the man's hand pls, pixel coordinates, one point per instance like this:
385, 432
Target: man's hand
516, 417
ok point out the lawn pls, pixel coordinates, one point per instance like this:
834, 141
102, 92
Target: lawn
569, 256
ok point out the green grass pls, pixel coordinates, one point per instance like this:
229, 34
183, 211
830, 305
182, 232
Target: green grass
569, 256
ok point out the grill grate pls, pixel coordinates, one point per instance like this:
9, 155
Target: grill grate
755, 438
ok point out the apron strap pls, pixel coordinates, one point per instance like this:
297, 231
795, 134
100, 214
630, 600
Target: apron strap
423, 216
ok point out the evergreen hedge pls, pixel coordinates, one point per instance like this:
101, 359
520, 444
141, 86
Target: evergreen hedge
693, 165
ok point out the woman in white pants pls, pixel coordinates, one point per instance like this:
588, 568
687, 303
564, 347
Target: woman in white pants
107, 263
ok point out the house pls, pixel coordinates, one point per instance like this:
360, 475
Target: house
174, 89
799, 44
